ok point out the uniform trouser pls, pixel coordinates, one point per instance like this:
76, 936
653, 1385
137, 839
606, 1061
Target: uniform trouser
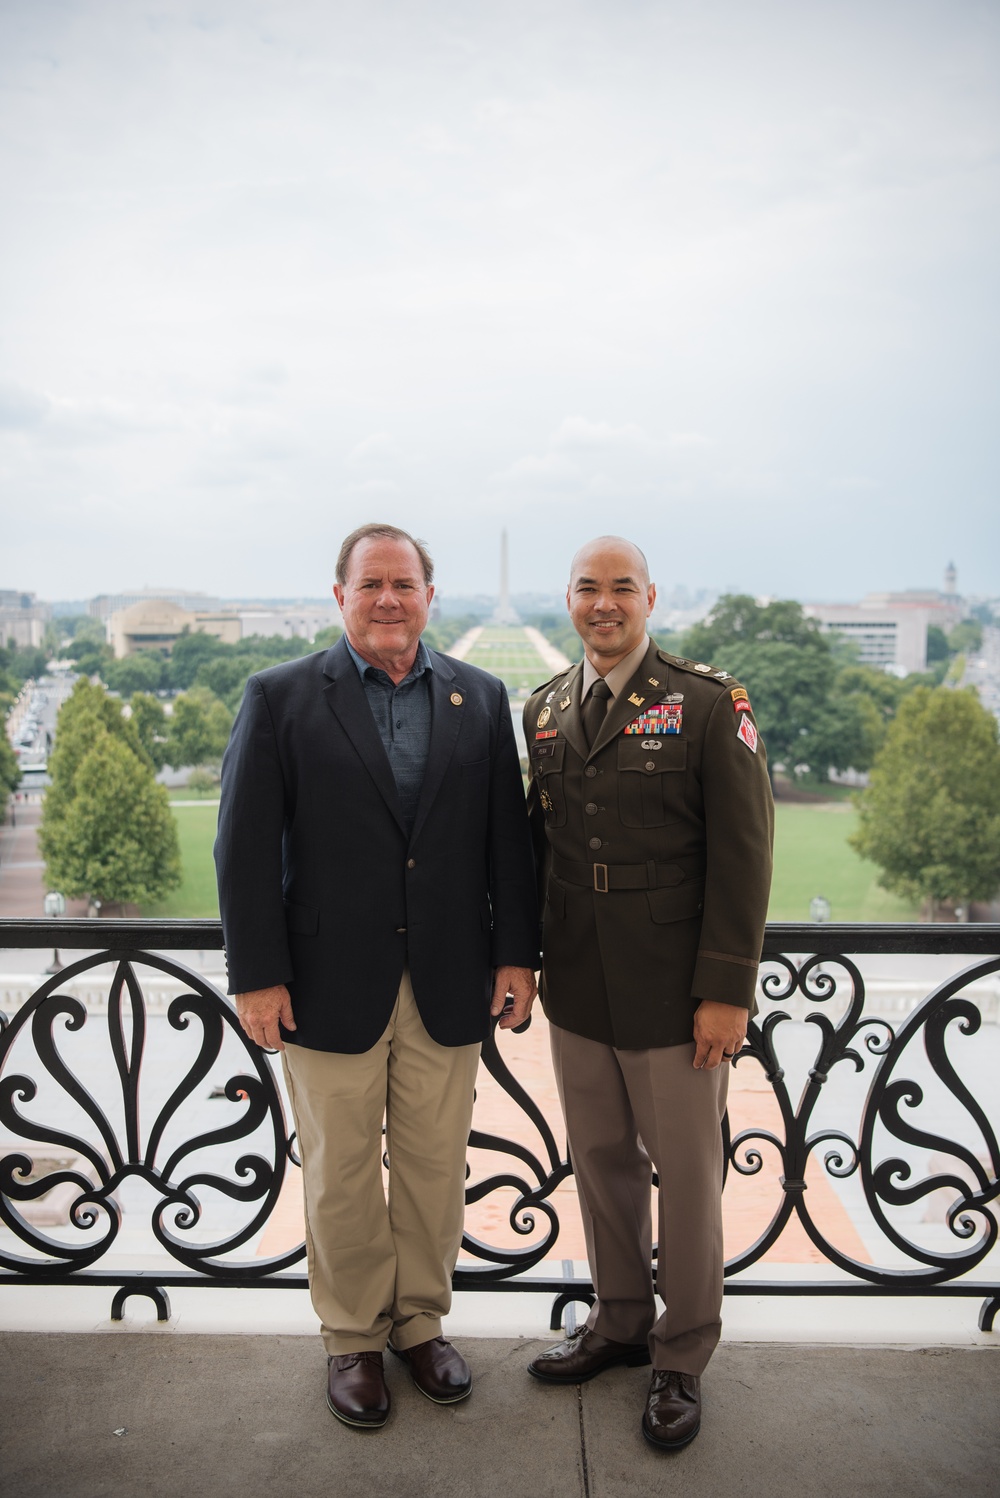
624, 1109
378, 1268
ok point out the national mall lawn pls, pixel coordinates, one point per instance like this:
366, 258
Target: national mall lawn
811, 857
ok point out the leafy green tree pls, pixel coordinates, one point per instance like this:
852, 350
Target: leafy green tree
199, 729
787, 666
150, 722
87, 713
226, 676
966, 638
930, 817
116, 840
937, 644
142, 672
10, 770
327, 637
188, 653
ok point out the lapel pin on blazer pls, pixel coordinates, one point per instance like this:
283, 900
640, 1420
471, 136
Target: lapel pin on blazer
456, 698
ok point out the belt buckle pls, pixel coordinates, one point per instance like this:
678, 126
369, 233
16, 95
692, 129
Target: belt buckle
601, 878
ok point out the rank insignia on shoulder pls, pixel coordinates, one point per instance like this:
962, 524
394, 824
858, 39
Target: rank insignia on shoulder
544, 716
722, 675
564, 704
547, 733
636, 700
747, 733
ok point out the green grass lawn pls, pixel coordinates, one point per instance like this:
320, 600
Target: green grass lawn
811, 858
196, 897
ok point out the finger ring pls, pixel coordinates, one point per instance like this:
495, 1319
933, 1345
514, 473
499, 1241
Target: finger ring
727, 1055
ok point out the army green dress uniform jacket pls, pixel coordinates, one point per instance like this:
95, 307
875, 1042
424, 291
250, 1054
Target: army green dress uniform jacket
654, 847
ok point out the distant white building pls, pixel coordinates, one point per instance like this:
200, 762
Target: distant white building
22, 618
106, 604
890, 629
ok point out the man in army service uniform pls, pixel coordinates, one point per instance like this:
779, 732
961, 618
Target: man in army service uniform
653, 820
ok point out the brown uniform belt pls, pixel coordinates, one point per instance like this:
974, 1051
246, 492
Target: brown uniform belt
603, 877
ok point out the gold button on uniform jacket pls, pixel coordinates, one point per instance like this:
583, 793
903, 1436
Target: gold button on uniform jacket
654, 847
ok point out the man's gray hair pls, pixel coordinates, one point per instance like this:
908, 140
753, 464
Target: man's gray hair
390, 533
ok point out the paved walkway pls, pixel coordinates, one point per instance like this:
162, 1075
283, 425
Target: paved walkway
124, 1414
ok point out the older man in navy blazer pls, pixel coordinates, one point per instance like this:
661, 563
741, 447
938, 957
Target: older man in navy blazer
377, 893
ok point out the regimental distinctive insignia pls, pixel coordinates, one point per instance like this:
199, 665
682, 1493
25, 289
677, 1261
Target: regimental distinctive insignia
747, 733
544, 716
738, 694
701, 667
659, 717
548, 733
652, 681
636, 700
720, 675
456, 698
546, 800
564, 704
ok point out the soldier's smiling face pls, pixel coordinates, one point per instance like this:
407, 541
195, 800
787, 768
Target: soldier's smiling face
609, 599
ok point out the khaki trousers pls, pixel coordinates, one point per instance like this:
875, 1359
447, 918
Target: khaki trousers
624, 1109
376, 1268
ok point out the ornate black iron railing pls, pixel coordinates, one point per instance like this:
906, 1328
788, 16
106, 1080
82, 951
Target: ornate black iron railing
909, 1145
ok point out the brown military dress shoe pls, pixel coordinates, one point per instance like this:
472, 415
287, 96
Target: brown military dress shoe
672, 1416
356, 1391
439, 1370
583, 1355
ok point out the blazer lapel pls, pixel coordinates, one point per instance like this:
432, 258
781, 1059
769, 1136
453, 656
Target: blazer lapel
446, 723
622, 710
345, 696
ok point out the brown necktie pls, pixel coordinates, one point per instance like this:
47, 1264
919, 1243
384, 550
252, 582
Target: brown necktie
594, 710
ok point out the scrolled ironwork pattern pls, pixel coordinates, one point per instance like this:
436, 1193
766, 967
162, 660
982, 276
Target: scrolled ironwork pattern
111, 1147
884, 1113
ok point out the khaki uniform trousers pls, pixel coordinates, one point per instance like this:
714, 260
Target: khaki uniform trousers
624, 1109
381, 1268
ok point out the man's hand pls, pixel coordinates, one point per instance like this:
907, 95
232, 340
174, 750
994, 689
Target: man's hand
260, 1012
719, 1032
519, 983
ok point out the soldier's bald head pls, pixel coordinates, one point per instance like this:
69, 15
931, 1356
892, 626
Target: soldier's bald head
600, 546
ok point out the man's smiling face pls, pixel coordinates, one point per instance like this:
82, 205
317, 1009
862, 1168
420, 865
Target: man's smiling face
384, 600
609, 599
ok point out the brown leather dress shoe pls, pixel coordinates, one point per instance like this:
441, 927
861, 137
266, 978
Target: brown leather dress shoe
672, 1416
439, 1370
583, 1355
356, 1391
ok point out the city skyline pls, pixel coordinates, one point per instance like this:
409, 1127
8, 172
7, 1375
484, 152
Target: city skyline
721, 277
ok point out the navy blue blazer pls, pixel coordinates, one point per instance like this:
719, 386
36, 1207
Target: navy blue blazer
320, 887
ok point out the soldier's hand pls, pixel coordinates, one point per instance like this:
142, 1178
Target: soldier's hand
519, 984
261, 1012
719, 1032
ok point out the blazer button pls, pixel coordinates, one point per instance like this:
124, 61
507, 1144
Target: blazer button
595, 842
651, 764
400, 930
591, 808
411, 863
590, 771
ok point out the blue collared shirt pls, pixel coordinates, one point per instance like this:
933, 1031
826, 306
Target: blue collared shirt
403, 718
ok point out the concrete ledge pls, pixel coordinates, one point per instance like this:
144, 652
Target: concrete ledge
98, 1417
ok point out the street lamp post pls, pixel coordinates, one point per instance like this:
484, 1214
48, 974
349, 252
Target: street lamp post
55, 906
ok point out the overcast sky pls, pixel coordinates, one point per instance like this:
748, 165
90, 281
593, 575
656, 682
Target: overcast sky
718, 274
